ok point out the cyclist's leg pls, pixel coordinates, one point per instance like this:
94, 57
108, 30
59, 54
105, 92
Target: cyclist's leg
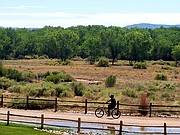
109, 109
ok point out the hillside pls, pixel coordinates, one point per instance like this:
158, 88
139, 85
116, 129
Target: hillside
150, 26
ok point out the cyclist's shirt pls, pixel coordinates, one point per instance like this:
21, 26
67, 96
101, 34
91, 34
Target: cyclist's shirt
113, 102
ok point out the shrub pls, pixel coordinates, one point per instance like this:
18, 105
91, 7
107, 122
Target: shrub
41, 76
89, 95
140, 87
78, 89
44, 57
65, 77
53, 78
13, 74
161, 77
110, 81
28, 90
61, 90
59, 76
66, 62
103, 62
77, 58
169, 86
28, 75
33, 105
1, 91
140, 65
152, 96
173, 64
166, 68
161, 62
1, 68
35, 56
15, 88
18, 104
5, 83
28, 57
130, 93
165, 95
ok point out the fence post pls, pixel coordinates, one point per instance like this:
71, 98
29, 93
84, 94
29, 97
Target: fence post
120, 128
118, 105
2, 101
150, 109
55, 106
79, 125
165, 132
8, 113
86, 106
27, 102
42, 121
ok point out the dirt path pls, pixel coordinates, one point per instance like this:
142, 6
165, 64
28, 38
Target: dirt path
155, 121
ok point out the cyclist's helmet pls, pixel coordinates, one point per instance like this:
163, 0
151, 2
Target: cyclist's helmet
111, 96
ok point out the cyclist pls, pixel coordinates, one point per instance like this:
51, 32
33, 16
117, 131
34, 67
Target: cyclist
112, 103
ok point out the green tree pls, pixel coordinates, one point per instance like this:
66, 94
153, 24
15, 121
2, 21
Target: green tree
4, 42
161, 48
92, 46
49, 45
138, 45
66, 44
114, 41
176, 53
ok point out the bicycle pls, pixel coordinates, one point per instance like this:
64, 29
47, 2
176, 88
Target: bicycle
100, 111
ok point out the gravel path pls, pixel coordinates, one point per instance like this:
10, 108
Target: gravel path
91, 117
130, 120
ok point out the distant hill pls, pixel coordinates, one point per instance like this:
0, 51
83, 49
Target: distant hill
18, 28
151, 26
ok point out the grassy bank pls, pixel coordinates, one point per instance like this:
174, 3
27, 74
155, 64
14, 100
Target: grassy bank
15, 129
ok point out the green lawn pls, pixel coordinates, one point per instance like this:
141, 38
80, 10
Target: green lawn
14, 129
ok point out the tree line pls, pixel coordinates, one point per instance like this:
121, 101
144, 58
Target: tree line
91, 42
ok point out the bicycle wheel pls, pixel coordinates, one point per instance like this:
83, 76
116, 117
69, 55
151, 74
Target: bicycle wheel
116, 113
99, 112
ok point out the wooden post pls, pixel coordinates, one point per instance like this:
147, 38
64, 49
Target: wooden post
79, 125
120, 127
165, 132
2, 101
150, 109
55, 105
27, 102
118, 105
42, 121
8, 113
86, 106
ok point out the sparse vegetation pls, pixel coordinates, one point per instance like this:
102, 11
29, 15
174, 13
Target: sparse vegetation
79, 79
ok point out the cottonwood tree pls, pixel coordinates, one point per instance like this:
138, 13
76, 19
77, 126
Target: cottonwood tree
176, 53
92, 46
138, 46
114, 42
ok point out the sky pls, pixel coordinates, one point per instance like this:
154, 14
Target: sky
67, 13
